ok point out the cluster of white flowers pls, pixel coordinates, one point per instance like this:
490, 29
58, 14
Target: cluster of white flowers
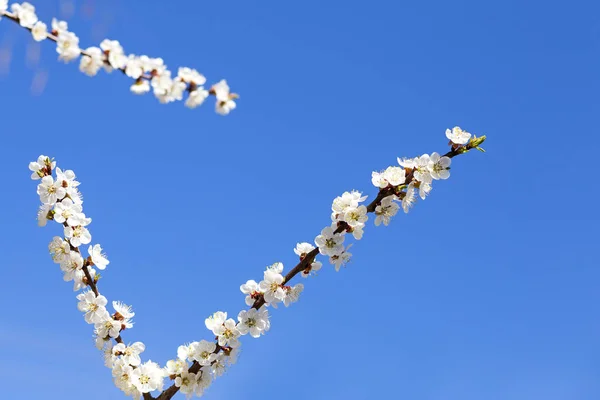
199, 363
148, 73
63, 203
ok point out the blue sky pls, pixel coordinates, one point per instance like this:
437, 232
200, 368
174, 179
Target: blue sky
487, 290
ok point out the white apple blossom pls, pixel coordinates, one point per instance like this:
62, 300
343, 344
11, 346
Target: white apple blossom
395, 176
98, 258
438, 166
134, 68
251, 290
42, 215
228, 334
59, 249
302, 249
356, 217
38, 167
216, 321
3, 7
123, 313
122, 375
329, 243
115, 54
39, 31
293, 294
407, 163
421, 171
92, 61
386, 210
108, 327
346, 201
424, 189
176, 367
205, 352
67, 46
25, 12
79, 281
458, 136
67, 211
196, 98
218, 366
187, 351
59, 27
130, 354
254, 322
409, 199
70, 266
271, 286
187, 383
50, 192
275, 267
140, 86
204, 380
93, 306
340, 260
148, 377
225, 103
190, 75
77, 235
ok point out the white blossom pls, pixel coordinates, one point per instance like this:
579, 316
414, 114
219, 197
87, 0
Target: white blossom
204, 380
254, 322
122, 375
409, 199
59, 26
50, 192
108, 327
421, 171
250, 289
204, 352
215, 321
25, 12
458, 136
140, 86
124, 313
395, 176
190, 75
67, 211
356, 216
424, 189
148, 377
271, 286
134, 68
77, 235
438, 166
115, 54
340, 260
67, 46
187, 351
186, 383
93, 306
38, 167
225, 103
42, 215
196, 98
293, 294
302, 249
130, 354
3, 7
176, 367
39, 31
59, 249
228, 334
92, 61
329, 243
386, 210
71, 265
98, 258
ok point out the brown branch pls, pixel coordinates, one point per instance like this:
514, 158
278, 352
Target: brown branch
305, 262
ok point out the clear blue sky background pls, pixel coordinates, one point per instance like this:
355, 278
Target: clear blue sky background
488, 290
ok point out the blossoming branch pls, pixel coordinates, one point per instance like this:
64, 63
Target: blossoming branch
148, 73
198, 363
